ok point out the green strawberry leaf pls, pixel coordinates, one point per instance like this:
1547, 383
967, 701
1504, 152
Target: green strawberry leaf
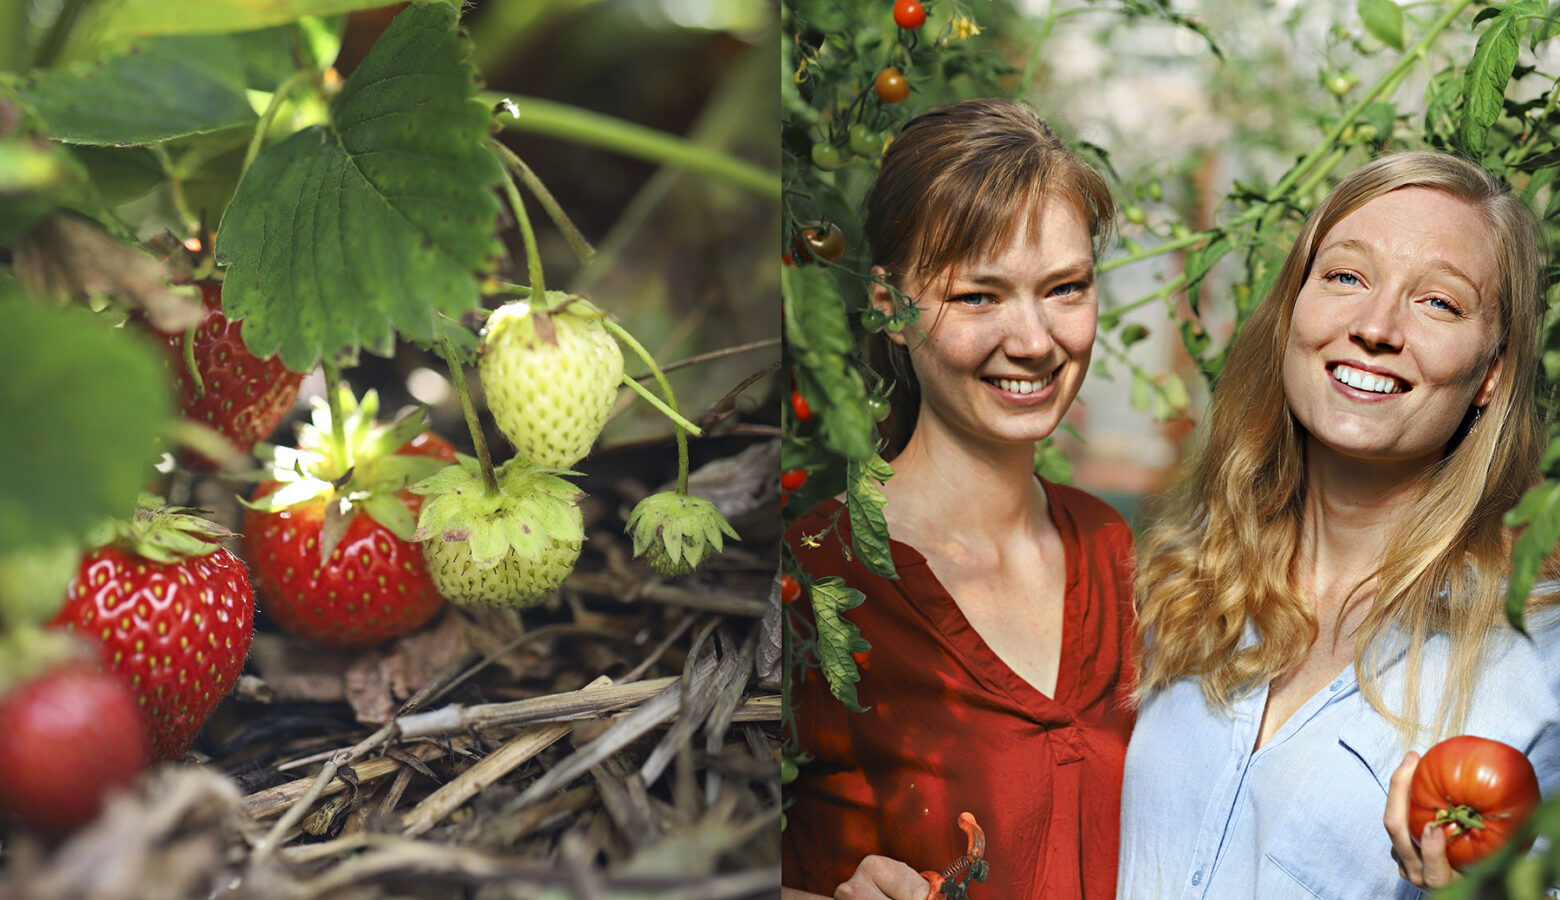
119, 18
345, 234
83, 405
148, 92
838, 638
868, 528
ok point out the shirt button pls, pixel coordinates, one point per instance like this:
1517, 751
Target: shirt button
1335, 685
1197, 877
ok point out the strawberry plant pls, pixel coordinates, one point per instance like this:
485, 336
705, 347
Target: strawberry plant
211, 210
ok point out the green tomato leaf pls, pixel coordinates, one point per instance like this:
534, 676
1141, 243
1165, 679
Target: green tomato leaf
83, 405
1199, 263
1484, 85
1384, 20
1538, 515
345, 234
819, 335
868, 528
148, 92
838, 638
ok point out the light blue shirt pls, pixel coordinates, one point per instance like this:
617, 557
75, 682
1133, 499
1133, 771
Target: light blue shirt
1202, 816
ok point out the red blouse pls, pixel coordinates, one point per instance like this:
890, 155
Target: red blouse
949, 727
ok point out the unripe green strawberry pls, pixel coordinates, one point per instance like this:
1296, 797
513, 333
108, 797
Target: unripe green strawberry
676, 532
508, 547
550, 376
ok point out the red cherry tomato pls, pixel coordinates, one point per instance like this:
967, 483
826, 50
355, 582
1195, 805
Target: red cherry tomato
891, 86
909, 14
790, 589
818, 240
1480, 791
800, 407
794, 479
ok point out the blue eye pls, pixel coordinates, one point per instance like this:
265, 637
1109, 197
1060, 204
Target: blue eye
1443, 304
1072, 287
1344, 278
971, 299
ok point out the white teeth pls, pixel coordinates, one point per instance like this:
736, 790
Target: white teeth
1020, 387
1364, 381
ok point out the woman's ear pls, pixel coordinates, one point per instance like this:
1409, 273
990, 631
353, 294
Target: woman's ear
883, 299
1491, 379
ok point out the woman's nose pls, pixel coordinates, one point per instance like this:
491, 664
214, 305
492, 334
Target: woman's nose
1377, 323
1028, 332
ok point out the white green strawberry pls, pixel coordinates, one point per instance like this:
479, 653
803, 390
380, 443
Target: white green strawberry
550, 373
507, 545
676, 532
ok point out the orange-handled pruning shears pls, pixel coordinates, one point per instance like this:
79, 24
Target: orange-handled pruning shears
972, 865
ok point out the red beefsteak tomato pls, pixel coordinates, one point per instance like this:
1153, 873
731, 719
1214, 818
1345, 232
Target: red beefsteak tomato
1480, 791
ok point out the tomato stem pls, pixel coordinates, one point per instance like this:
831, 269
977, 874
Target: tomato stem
463, 389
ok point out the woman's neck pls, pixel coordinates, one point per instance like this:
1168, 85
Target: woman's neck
1351, 510
947, 486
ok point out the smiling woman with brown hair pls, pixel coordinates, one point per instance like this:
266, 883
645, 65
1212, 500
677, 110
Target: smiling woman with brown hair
1327, 589
995, 683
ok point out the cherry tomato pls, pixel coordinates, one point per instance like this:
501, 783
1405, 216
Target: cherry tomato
785, 259
909, 14
1480, 791
790, 589
800, 407
793, 480
877, 407
864, 141
891, 86
818, 240
873, 318
827, 157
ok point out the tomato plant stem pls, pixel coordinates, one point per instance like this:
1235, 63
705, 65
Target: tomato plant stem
533, 256
555, 211
463, 390
583, 126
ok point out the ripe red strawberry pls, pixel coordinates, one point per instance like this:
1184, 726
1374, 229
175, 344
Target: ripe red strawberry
370, 584
67, 736
173, 614
238, 395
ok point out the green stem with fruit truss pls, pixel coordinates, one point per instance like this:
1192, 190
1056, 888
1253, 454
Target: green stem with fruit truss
582, 126
684, 427
555, 211
1305, 169
266, 118
463, 389
533, 256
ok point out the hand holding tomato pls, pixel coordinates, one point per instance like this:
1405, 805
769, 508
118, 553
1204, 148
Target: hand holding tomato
1458, 804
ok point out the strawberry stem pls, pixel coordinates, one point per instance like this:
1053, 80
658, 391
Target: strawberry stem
269, 116
189, 361
669, 409
463, 389
555, 211
336, 452
533, 256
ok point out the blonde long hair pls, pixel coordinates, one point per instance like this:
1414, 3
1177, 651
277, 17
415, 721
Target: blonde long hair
1207, 572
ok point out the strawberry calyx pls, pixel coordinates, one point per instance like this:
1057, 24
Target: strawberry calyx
163, 534
354, 469
532, 509
677, 532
